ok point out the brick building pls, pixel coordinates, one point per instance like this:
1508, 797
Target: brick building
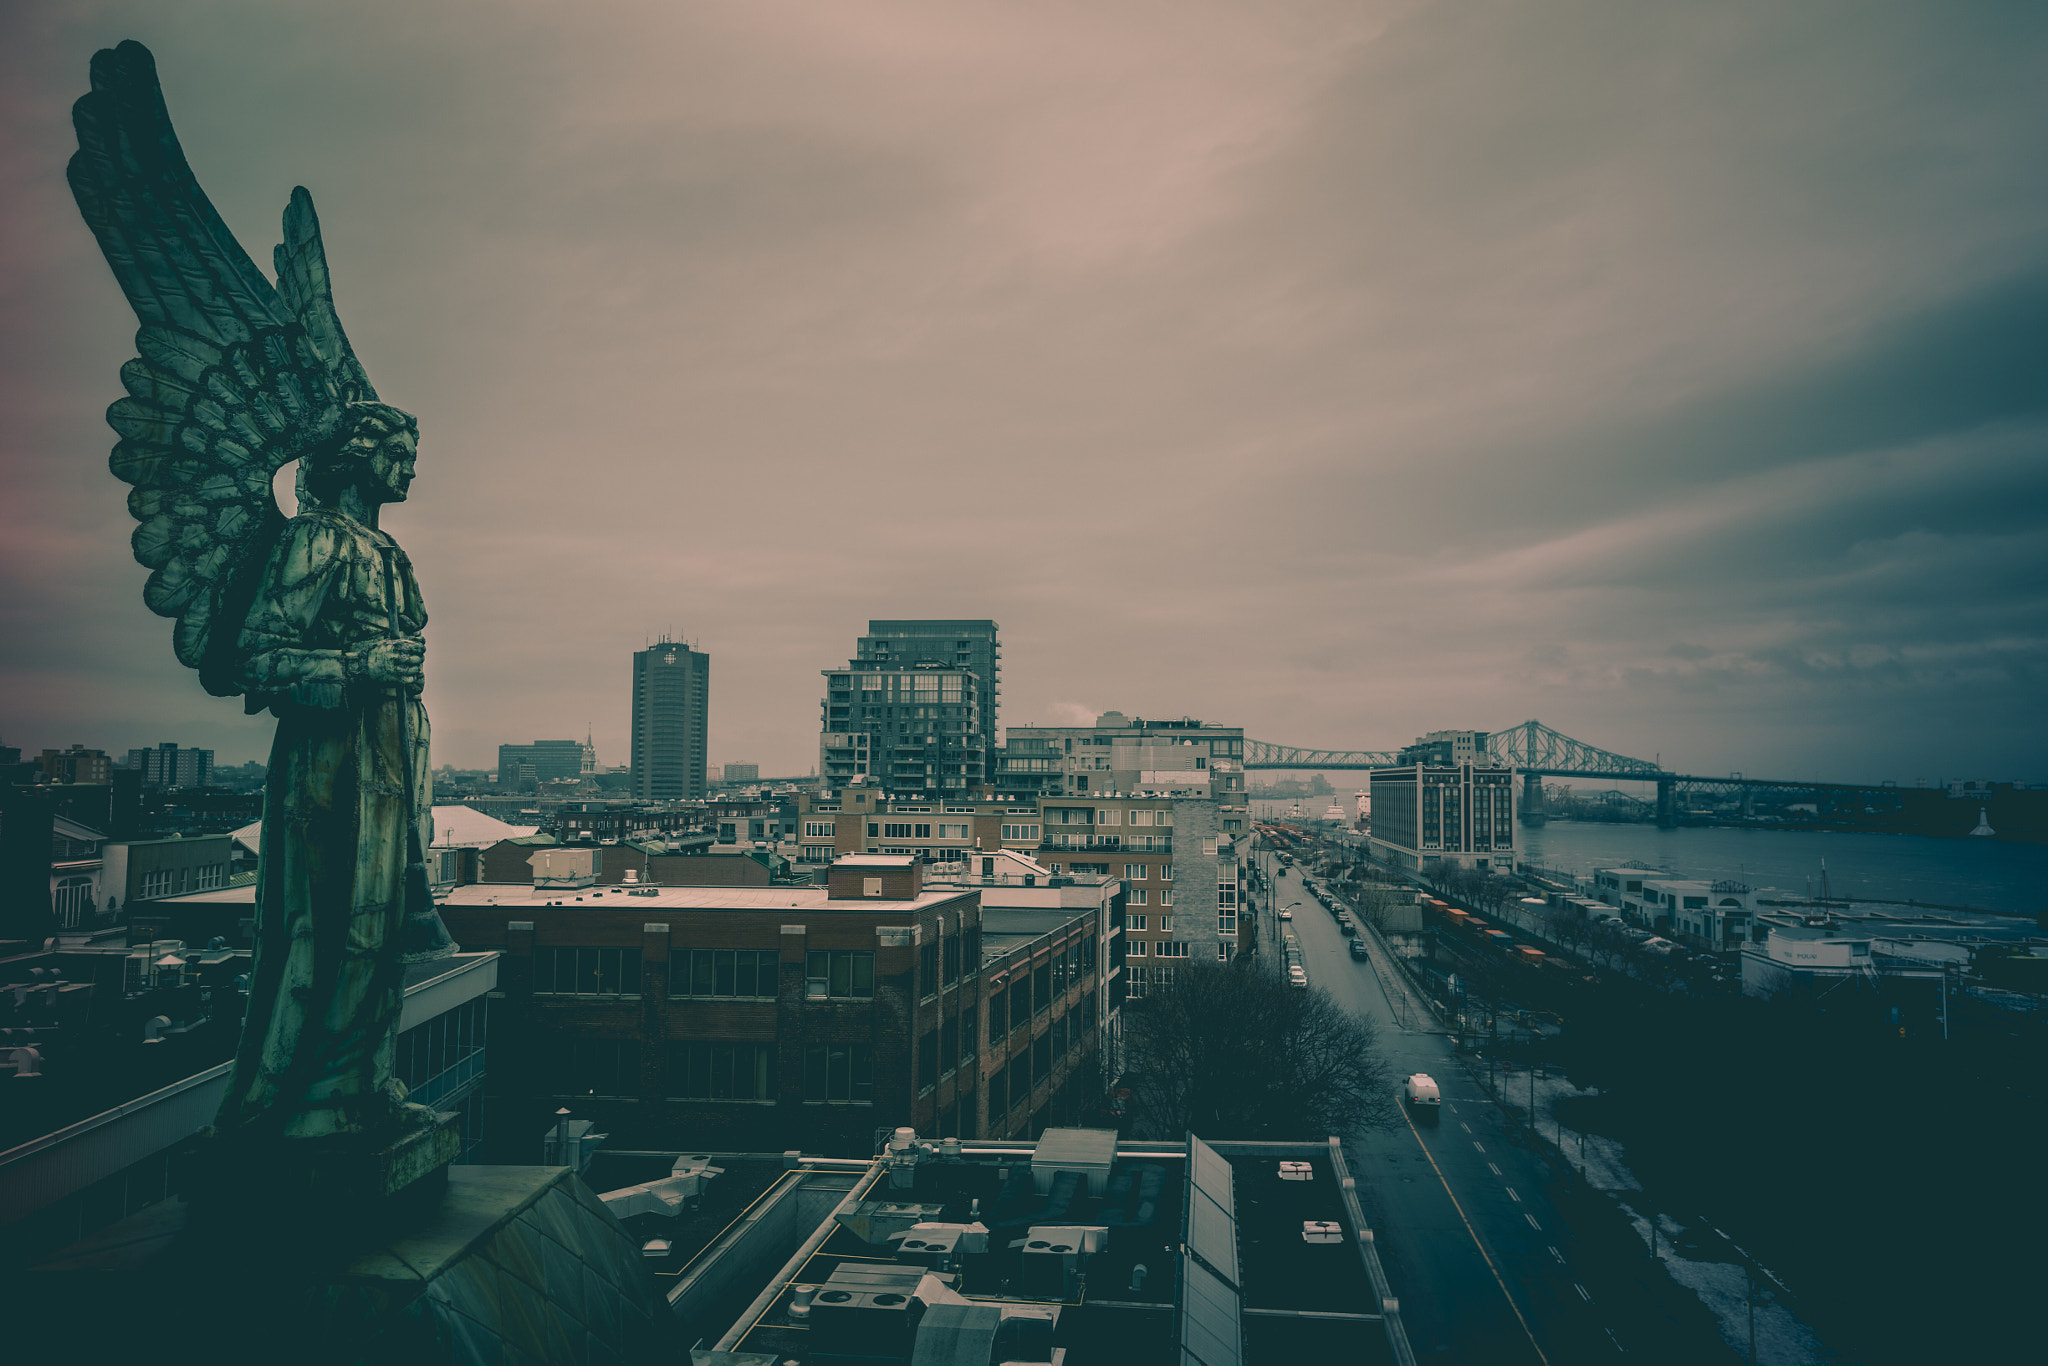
779, 1017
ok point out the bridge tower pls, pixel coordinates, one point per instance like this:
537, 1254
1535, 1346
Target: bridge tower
1534, 811
1667, 805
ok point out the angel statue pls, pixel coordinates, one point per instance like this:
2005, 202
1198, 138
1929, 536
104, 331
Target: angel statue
316, 619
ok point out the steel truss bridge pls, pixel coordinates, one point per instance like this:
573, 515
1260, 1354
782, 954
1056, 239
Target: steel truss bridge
1540, 752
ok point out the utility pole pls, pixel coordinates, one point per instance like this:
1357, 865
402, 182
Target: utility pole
1750, 1272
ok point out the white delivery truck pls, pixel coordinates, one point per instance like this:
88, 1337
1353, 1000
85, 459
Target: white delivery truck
1423, 1100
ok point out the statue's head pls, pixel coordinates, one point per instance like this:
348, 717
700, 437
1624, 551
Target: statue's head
374, 452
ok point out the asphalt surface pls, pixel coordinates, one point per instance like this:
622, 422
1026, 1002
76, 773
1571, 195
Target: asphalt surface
1466, 1214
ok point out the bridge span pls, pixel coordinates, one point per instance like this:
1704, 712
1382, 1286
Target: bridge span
1540, 752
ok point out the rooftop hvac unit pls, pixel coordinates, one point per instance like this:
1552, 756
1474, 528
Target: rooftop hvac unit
936, 1248
1053, 1253
865, 1323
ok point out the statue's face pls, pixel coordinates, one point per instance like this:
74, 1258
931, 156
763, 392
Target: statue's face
391, 468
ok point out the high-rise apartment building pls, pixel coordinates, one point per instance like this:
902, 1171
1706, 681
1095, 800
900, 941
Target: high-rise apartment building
671, 699
912, 729
970, 645
168, 766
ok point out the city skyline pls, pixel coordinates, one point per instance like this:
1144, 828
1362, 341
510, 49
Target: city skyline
1338, 373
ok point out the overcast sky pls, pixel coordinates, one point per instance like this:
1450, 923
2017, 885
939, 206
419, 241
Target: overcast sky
1677, 375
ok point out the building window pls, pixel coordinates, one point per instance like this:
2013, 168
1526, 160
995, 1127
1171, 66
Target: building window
1134, 872
216, 875
969, 1043
928, 1060
586, 972
818, 830
73, 902
928, 969
1225, 952
840, 1071
431, 1047
1166, 924
158, 883
1136, 922
721, 1071
1136, 949
845, 973
1177, 949
1024, 833
1138, 895
1166, 896
1166, 872
952, 958
1135, 980
604, 1067
749, 973
1226, 922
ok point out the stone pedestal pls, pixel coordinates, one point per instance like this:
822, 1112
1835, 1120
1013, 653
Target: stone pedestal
508, 1265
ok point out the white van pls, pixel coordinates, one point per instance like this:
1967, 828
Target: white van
1423, 1100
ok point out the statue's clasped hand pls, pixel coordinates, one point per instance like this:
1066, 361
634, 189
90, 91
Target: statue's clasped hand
400, 663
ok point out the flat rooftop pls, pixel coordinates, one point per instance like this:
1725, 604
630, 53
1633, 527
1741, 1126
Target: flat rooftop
985, 1228
647, 898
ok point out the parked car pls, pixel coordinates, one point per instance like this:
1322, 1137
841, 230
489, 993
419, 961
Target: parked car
1297, 977
1358, 949
1287, 915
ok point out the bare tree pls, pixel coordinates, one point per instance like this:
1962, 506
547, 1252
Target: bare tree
1230, 1052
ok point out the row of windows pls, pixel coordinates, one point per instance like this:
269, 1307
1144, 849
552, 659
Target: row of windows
428, 1049
743, 973
171, 881
1089, 815
713, 1071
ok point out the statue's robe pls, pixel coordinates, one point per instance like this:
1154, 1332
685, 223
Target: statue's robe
332, 886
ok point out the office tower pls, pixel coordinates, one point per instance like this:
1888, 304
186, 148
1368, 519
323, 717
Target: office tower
551, 760
671, 698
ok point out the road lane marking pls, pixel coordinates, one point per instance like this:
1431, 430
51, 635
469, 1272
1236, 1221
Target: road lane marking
1534, 1346
1582, 1292
1532, 1221
1463, 1125
1480, 1146
1495, 1170
1514, 1197
1557, 1256
1616, 1341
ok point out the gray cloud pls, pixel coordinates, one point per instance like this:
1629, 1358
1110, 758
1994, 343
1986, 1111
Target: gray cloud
1673, 375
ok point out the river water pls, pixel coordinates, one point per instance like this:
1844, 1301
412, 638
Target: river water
1984, 874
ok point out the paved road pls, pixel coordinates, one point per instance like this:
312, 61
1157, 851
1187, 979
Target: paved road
1464, 1211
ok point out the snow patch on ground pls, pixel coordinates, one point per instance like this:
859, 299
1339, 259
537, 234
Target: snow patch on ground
1723, 1287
